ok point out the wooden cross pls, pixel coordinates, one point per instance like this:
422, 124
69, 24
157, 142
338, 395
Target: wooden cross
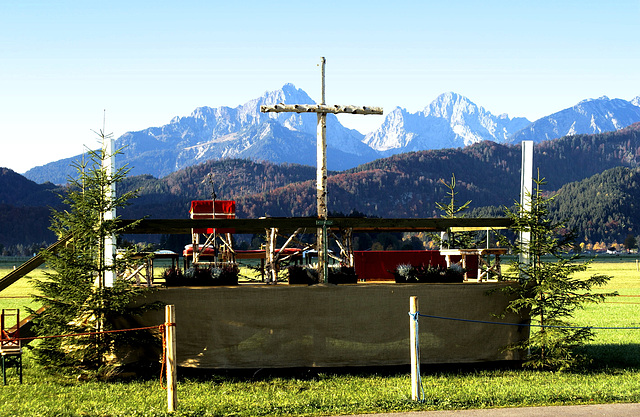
321, 154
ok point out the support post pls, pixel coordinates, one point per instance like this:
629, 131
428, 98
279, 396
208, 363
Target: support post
170, 339
270, 249
414, 341
109, 165
321, 184
526, 179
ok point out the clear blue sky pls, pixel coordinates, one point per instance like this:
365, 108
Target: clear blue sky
63, 62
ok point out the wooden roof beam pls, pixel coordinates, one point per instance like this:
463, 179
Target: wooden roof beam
320, 108
184, 226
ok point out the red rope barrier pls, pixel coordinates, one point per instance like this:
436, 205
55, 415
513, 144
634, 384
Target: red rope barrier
159, 327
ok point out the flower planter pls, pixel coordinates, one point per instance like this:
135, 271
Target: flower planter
299, 275
202, 277
428, 274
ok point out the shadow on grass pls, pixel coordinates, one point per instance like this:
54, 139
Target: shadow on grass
317, 373
612, 356
601, 357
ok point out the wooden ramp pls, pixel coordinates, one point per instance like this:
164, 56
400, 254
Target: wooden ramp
25, 324
31, 264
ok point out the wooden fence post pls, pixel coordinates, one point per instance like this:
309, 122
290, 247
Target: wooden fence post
415, 345
172, 377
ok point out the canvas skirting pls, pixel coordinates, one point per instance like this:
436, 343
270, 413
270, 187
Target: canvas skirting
275, 326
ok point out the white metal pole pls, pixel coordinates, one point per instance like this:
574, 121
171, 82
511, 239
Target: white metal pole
526, 181
415, 343
109, 165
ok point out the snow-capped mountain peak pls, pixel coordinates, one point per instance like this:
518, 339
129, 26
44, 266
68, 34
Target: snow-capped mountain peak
588, 116
451, 120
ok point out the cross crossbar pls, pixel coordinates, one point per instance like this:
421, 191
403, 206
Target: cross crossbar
319, 108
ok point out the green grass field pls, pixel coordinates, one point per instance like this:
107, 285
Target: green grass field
18, 295
613, 376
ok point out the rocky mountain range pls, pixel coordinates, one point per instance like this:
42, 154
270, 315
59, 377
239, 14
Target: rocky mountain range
589, 116
450, 121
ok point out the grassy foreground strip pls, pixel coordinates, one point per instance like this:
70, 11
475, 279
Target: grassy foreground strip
613, 376
323, 395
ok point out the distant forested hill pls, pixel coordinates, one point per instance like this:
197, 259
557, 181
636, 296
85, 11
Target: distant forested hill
574, 158
408, 185
24, 211
19, 191
170, 197
604, 207
595, 177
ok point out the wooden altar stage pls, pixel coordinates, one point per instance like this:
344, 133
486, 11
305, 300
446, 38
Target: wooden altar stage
281, 326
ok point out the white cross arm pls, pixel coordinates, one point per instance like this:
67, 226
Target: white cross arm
320, 108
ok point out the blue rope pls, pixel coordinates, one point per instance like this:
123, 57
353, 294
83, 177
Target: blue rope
528, 325
417, 314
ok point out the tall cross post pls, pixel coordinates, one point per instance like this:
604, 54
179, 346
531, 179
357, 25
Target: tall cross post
321, 153
321, 184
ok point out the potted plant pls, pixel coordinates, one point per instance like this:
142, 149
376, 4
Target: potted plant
406, 273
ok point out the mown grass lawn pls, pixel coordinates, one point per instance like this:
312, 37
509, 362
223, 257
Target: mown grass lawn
613, 376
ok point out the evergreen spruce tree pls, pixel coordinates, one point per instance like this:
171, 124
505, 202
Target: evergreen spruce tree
73, 294
451, 210
547, 288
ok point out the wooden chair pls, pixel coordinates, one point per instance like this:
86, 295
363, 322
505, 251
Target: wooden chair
10, 346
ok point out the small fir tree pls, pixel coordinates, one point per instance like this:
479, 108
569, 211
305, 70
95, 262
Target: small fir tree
451, 210
74, 295
547, 288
